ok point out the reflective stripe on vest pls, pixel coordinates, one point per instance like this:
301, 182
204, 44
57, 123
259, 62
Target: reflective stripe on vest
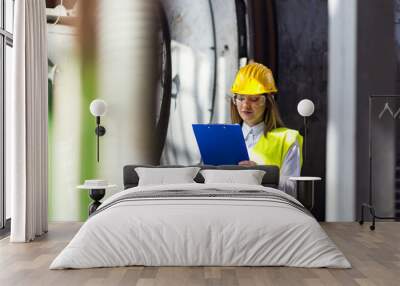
272, 148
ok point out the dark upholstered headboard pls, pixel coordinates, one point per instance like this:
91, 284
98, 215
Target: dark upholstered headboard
270, 179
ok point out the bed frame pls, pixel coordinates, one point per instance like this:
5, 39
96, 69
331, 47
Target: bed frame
270, 179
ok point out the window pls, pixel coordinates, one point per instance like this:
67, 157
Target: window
6, 46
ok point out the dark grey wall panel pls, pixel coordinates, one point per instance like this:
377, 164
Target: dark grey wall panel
302, 73
396, 15
376, 75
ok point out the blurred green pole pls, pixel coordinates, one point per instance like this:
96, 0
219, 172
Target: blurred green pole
87, 37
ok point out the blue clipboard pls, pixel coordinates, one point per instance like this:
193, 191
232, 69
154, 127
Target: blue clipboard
220, 144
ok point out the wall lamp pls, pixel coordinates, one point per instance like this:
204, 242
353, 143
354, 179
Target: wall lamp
305, 109
98, 108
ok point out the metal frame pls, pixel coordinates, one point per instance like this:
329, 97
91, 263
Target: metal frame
2, 101
6, 39
370, 204
242, 28
163, 121
214, 48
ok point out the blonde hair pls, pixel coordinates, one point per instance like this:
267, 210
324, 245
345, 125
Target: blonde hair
272, 117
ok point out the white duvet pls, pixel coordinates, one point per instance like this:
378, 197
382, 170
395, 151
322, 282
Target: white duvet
200, 231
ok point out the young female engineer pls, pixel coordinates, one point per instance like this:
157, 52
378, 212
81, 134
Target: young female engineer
268, 141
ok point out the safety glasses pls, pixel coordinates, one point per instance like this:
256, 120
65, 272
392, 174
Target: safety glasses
256, 100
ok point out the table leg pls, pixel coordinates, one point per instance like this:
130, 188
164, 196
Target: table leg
96, 195
305, 193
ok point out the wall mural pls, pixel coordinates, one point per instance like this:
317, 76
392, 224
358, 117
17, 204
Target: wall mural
123, 66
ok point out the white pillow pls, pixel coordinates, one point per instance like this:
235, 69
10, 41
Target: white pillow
249, 177
163, 176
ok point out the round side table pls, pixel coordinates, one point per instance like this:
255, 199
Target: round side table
96, 193
306, 190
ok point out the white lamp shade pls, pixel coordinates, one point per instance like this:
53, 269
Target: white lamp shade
305, 107
98, 107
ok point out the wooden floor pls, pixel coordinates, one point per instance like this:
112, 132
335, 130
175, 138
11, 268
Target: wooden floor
375, 257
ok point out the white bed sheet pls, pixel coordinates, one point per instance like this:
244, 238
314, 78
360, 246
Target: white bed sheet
200, 231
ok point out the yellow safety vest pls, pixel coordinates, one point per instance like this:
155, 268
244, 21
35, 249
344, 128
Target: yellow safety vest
272, 148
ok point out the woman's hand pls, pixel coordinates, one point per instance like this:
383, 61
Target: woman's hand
247, 163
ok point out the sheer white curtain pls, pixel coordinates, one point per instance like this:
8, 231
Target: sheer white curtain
26, 123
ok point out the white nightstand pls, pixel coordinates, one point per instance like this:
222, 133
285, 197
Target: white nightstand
97, 190
305, 190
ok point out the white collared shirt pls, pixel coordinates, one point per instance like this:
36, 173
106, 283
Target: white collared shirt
291, 164
252, 134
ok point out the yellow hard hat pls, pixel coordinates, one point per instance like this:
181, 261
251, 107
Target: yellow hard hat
253, 79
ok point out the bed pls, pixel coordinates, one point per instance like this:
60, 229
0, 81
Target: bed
201, 224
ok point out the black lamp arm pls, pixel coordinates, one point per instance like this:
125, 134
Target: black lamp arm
100, 131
